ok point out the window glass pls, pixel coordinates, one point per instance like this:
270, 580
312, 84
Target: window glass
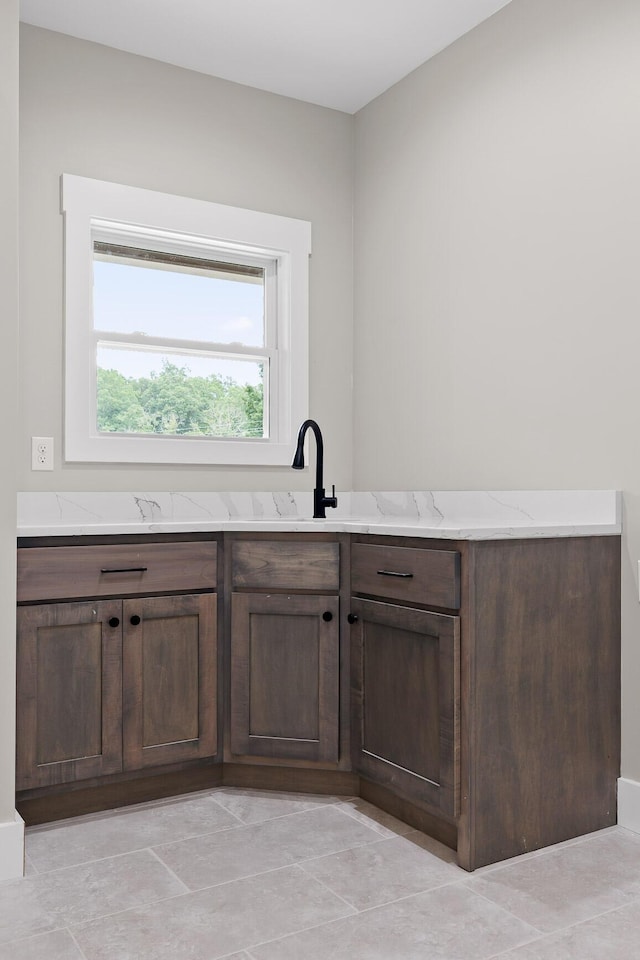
217, 303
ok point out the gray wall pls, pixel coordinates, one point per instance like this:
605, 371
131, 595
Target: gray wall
96, 112
497, 310
8, 388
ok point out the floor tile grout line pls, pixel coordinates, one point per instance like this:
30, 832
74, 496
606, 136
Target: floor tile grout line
169, 870
89, 863
377, 838
32, 936
73, 937
313, 805
525, 943
494, 903
293, 933
176, 896
29, 862
292, 813
379, 825
546, 935
153, 851
248, 876
328, 888
230, 812
162, 843
557, 930
373, 843
408, 896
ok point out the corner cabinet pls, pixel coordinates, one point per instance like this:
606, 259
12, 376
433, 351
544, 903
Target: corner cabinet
486, 687
406, 671
285, 651
408, 701
118, 684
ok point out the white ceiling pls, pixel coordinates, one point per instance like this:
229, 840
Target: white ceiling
336, 53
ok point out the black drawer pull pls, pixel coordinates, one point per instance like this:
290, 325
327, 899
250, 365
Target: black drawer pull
134, 620
352, 618
114, 622
123, 569
327, 616
394, 573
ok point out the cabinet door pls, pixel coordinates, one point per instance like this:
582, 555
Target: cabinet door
406, 678
69, 692
169, 677
284, 677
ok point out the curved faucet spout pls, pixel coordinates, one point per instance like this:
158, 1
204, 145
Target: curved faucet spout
320, 501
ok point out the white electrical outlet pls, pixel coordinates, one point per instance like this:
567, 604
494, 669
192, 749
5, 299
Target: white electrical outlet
42, 453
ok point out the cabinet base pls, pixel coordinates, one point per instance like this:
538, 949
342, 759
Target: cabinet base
45, 806
59, 803
442, 830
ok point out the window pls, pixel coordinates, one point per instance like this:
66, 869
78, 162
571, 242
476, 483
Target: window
186, 328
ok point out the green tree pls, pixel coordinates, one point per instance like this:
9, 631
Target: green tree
173, 402
118, 406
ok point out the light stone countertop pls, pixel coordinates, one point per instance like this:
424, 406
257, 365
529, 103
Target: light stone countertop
449, 515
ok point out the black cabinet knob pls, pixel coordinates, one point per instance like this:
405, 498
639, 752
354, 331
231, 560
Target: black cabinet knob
134, 620
327, 616
352, 618
114, 622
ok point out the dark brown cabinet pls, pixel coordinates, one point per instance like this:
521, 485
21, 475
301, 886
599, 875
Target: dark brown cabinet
285, 677
69, 684
169, 680
285, 651
106, 686
407, 701
471, 688
486, 687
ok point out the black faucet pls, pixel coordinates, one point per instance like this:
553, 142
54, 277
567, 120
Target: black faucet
319, 499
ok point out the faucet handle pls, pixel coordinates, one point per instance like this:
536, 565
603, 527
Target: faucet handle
331, 501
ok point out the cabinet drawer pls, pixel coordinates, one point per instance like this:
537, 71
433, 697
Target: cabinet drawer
407, 573
286, 565
56, 573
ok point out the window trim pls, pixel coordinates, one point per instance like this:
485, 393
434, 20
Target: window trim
189, 226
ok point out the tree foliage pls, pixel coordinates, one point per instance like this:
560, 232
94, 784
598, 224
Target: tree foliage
177, 403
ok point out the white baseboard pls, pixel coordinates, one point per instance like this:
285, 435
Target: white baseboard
12, 848
629, 804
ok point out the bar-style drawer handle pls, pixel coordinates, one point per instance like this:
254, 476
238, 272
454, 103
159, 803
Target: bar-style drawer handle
394, 573
124, 569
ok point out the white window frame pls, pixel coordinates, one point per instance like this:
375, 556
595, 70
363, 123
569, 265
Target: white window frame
95, 209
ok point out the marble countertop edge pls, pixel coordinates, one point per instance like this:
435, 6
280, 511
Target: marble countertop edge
369, 526
461, 515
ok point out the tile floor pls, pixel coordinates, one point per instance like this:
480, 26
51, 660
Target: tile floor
247, 875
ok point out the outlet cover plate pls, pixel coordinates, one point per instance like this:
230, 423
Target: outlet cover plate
42, 453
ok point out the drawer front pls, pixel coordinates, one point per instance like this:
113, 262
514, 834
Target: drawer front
286, 565
57, 573
407, 573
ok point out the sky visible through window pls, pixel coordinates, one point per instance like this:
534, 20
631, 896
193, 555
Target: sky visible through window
172, 303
